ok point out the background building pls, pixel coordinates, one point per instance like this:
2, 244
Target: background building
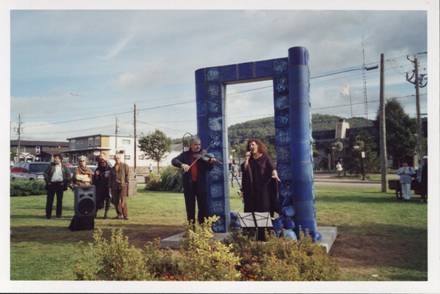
92, 146
36, 150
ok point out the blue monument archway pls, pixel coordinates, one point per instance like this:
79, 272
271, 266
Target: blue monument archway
293, 138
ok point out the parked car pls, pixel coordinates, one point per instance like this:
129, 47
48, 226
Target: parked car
29, 170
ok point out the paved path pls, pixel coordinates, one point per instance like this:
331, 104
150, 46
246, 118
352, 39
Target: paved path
330, 179
347, 184
319, 179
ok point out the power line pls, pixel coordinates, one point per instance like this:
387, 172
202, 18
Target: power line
158, 126
111, 114
337, 72
76, 130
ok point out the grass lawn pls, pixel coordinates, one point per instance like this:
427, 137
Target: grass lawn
379, 238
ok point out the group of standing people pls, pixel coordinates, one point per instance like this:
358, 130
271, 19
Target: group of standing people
111, 184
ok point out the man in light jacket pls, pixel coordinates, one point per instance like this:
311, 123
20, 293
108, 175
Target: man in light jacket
406, 173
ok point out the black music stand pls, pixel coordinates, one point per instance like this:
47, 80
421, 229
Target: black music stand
257, 220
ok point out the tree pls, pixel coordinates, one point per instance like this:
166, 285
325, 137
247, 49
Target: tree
155, 145
401, 129
13, 154
356, 143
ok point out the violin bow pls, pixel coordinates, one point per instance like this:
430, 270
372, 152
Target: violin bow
209, 146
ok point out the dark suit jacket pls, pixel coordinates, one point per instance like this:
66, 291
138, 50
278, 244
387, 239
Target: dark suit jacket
202, 168
49, 173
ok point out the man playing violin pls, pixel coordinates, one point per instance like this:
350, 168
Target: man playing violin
195, 163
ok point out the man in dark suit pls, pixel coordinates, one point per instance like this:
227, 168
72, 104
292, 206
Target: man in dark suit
194, 164
57, 178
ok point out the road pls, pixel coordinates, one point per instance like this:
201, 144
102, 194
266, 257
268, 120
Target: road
328, 179
320, 180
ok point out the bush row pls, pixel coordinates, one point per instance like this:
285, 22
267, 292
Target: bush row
201, 257
27, 187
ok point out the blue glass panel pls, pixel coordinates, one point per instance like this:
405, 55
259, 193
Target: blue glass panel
215, 124
217, 207
280, 85
282, 137
213, 91
282, 119
281, 102
216, 174
215, 107
280, 66
216, 190
215, 140
212, 74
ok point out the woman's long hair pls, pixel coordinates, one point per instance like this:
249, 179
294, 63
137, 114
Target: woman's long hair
261, 146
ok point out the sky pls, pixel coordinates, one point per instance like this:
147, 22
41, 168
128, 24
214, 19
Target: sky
73, 72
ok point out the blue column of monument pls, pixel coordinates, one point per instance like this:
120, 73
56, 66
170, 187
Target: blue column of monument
300, 130
210, 92
282, 127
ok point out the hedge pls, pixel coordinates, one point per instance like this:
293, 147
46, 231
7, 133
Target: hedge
170, 179
27, 187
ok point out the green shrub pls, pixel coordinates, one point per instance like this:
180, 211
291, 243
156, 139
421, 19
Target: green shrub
169, 179
27, 187
201, 257
163, 264
281, 259
153, 182
113, 259
207, 259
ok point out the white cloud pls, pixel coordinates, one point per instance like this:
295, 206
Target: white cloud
118, 47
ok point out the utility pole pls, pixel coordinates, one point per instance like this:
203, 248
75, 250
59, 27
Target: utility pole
19, 129
364, 80
382, 130
135, 139
116, 135
418, 82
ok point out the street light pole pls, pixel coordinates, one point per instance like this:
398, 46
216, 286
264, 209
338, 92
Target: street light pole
362, 165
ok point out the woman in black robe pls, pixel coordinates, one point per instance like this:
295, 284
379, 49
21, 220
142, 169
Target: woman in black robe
101, 179
259, 181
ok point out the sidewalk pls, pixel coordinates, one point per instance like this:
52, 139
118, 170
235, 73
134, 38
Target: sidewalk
332, 178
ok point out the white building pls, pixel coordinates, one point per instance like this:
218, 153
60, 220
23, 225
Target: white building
92, 146
341, 129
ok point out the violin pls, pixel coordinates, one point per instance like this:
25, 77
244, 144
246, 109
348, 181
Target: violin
205, 156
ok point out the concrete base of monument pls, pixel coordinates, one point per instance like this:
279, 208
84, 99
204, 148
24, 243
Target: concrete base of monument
173, 241
328, 237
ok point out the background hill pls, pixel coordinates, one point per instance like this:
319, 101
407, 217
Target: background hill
264, 129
